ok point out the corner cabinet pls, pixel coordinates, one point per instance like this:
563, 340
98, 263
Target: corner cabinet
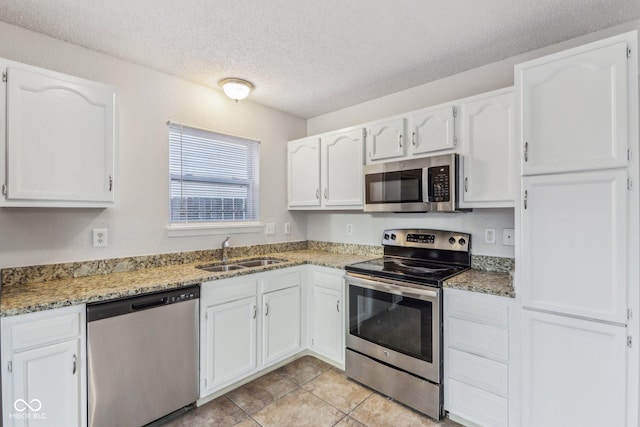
59, 139
44, 374
488, 138
326, 172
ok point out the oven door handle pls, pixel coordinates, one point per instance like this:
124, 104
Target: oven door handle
392, 286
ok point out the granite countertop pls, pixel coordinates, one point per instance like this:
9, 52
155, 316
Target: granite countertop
486, 282
45, 295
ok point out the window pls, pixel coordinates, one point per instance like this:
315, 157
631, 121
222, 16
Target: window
214, 177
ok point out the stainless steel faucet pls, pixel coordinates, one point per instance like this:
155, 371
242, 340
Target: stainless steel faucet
225, 248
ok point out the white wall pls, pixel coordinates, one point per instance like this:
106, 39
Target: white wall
137, 224
368, 228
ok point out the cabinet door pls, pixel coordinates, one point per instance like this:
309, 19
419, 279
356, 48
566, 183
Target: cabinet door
342, 174
281, 324
45, 386
432, 130
229, 337
61, 134
574, 372
304, 173
386, 140
326, 324
575, 108
487, 164
574, 240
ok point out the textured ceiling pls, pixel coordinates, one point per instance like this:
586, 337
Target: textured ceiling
312, 57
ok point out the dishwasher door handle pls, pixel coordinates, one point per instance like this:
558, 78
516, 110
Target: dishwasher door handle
143, 305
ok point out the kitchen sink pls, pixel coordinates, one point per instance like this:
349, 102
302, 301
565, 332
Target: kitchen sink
220, 267
258, 262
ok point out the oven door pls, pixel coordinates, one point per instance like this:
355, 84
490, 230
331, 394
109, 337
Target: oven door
395, 323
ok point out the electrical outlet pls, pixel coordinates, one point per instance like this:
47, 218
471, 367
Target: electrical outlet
287, 228
508, 237
99, 237
270, 228
349, 229
490, 235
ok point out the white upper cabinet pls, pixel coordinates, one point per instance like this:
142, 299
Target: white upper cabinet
342, 174
326, 172
488, 176
432, 130
386, 139
60, 139
574, 229
574, 108
304, 173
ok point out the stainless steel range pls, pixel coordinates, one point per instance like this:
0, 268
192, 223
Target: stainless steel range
394, 315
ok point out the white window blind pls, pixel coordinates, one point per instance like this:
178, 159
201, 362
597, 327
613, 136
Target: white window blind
214, 177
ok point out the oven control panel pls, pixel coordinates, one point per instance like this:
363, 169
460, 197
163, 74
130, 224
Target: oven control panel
429, 239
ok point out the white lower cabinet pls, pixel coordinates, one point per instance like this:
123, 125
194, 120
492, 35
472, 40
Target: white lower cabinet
477, 357
574, 371
326, 311
241, 315
44, 374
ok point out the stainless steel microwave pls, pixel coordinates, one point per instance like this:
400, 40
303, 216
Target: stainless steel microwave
419, 185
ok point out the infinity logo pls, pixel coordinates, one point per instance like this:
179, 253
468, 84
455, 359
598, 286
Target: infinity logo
21, 405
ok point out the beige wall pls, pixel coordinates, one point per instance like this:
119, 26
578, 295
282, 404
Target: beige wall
137, 224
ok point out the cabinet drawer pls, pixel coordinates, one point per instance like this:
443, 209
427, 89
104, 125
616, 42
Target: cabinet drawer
478, 309
484, 373
327, 280
479, 406
227, 290
479, 339
32, 332
281, 281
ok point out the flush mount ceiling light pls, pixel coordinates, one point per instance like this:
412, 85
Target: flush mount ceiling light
236, 89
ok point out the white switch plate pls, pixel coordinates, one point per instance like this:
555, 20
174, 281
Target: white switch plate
349, 229
287, 228
490, 235
270, 228
100, 238
508, 237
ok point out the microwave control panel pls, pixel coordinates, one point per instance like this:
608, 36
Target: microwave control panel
439, 184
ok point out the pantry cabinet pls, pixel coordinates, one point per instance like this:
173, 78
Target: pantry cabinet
247, 324
44, 374
488, 137
575, 108
326, 172
59, 140
326, 311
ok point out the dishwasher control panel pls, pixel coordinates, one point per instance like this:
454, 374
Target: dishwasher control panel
185, 296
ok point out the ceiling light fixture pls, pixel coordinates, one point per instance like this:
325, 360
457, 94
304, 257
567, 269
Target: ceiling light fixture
236, 89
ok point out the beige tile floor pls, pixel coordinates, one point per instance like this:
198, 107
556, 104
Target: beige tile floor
306, 392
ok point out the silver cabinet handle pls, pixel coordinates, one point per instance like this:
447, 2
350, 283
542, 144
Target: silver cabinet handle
75, 363
466, 184
338, 306
326, 194
526, 151
526, 195
318, 193
266, 312
400, 140
255, 311
413, 139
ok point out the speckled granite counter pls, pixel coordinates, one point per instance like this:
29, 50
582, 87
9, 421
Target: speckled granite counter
486, 282
44, 295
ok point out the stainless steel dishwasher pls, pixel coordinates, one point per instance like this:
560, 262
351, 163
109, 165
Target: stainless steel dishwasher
142, 357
